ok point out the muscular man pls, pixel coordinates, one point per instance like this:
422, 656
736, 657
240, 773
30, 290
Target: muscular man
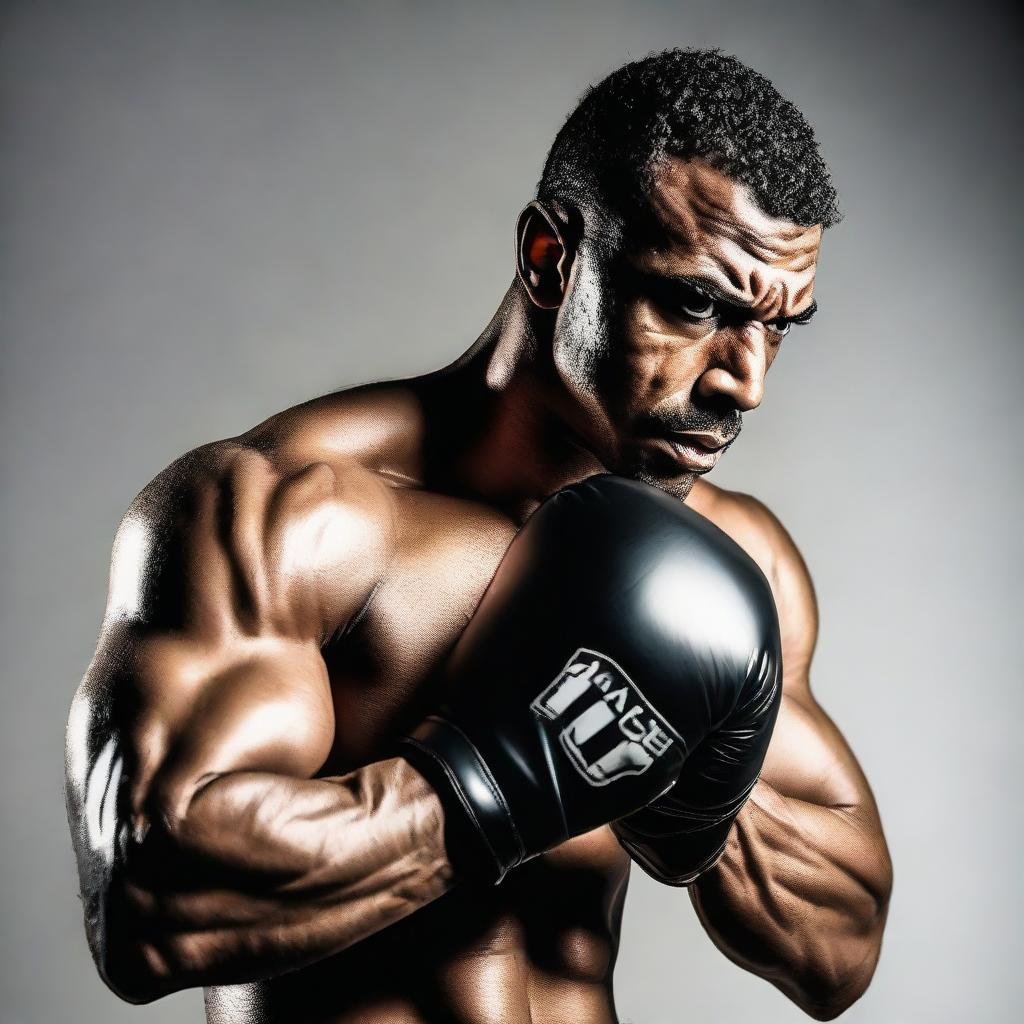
286, 606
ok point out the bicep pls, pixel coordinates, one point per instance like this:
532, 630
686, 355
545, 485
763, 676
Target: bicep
154, 721
808, 758
157, 718
225, 580
262, 711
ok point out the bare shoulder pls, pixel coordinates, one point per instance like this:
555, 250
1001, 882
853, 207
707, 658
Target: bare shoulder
229, 572
234, 538
760, 533
751, 524
377, 426
283, 530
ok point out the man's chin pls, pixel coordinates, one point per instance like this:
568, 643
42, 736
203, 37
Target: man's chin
678, 486
666, 476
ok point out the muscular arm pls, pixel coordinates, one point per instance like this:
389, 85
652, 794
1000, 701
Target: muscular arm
801, 893
208, 853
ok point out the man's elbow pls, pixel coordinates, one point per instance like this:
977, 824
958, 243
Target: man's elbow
826, 998
134, 965
841, 975
861, 955
128, 975
128, 968
137, 970
840, 978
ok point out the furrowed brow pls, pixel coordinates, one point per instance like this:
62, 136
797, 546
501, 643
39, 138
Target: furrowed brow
736, 305
664, 283
708, 287
733, 306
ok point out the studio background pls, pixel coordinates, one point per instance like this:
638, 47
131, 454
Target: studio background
213, 211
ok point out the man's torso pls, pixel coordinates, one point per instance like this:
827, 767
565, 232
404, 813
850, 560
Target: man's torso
541, 946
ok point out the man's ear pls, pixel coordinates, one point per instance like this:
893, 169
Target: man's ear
543, 258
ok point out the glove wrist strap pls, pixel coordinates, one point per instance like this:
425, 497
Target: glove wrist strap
480, 835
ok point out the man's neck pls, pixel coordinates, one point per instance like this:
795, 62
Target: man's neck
496, 414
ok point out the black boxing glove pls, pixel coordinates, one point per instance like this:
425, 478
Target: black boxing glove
626, 650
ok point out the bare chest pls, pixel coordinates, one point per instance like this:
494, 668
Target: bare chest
383, 664
563, 907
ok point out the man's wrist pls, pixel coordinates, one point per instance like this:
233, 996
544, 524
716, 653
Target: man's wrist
478, 837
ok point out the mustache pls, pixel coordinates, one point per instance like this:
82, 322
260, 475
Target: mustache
665, 421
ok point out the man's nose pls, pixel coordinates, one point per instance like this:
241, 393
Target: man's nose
736, 367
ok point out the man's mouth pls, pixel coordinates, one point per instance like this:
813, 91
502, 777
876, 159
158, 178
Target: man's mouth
698, 439
695, 450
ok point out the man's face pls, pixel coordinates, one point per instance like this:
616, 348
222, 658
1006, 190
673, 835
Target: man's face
664, 346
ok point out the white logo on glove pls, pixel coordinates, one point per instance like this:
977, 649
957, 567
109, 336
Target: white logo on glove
613, 730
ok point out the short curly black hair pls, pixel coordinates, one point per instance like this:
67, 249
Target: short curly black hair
689, 103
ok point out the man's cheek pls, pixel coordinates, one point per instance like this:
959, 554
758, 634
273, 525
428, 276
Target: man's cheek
642, 372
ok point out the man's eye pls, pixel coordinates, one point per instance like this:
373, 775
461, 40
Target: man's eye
697, 306
779, 329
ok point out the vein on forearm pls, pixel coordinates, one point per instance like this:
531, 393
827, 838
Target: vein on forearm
268, 872
798, 886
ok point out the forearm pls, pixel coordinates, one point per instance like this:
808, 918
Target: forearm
799, 897
264, 874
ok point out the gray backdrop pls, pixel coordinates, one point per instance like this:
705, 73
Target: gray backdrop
211, 212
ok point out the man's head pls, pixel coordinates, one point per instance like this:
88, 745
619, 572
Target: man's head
673, 242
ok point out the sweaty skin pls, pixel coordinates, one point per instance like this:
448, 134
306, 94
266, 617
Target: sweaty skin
279, 603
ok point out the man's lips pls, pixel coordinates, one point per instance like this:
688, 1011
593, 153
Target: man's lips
698, 439
696, 451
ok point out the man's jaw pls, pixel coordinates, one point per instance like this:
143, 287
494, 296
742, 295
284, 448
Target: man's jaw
655, 453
